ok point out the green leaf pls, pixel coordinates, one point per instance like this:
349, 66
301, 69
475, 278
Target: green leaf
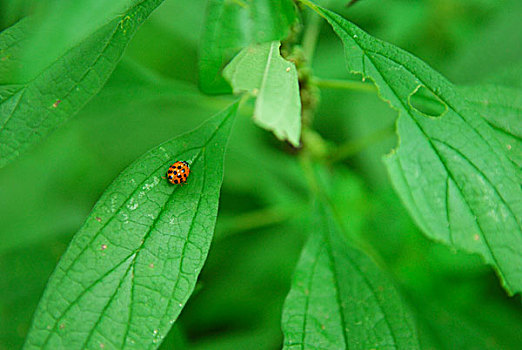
57, 26
131, 268
31, 109
261, 70
230, 26
450, 171
339, 299
502, 109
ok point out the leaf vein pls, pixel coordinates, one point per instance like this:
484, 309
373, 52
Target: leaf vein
332, 262
81, 295
106, 307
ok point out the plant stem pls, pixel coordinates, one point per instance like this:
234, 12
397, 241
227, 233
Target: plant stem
245, 96
355, 239
313, 28
240, 3
353, 147
312, 6
343, 85
255, 220
308, 171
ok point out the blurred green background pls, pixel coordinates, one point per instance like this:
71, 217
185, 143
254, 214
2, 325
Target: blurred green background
152, 96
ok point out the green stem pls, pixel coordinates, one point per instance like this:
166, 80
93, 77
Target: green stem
255, 220
306, 163
311, 5
353, 147
240, 3
313, 28
244, 98
354, 238
305, 157
343, 85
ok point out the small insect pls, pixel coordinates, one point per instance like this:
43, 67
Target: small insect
178, 172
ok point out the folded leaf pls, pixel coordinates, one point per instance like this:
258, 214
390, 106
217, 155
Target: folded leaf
130, 269
449, 169
261, 70
30, 109
340, 299
232, 25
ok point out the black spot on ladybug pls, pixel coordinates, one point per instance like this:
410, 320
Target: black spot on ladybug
170, 171
179, 176
179, 166
175, 172
175, 181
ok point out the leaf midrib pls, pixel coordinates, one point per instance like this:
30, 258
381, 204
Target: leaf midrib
265, 74
333, 265
307, 299
111, 299
185, 244
22, 92
87, 289
502, 129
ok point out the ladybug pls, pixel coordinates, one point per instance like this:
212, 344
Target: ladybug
178, 172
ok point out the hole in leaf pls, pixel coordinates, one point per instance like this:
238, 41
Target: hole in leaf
426, 102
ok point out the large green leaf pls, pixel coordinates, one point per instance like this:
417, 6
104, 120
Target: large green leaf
502, 108
32, 108
261, 70
131, 268
231, 25
340, 299
449, 169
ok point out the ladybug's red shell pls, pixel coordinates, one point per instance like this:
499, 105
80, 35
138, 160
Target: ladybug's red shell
178, 172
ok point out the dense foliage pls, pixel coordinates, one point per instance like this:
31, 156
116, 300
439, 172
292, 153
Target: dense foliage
355, 174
